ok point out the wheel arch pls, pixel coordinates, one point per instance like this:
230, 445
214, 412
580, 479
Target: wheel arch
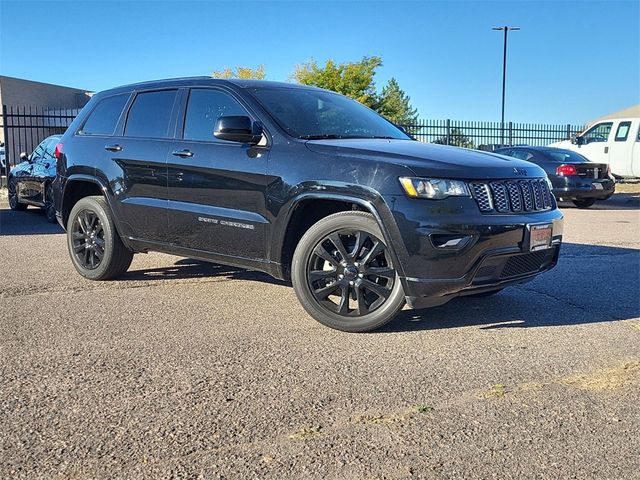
78, 186
292, 231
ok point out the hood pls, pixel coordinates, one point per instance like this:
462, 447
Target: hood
562, 144
20, 167
429, 160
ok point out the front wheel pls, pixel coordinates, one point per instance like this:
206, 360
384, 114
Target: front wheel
14, 203
96, 250
584, 203
343, 274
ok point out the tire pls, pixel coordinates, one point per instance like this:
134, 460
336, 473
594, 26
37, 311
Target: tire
584, 203
490, 293
95, 248
49, 209
370, 292
14, 203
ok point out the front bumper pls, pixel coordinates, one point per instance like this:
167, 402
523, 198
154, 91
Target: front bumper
451, 249
578, 188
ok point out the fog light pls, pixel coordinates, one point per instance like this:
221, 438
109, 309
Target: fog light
449, 242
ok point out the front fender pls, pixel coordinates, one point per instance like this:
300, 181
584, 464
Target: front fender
366, 198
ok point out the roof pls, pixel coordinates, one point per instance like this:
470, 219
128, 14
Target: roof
540, 148
203, 80
630, 112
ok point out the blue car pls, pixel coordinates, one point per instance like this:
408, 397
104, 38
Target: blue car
30, 182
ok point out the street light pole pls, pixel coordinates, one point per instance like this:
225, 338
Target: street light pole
506, 30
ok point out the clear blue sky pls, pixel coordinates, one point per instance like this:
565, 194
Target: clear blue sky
571, 62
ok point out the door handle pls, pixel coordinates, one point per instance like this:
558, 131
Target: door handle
183, 153
606, 149
179, 176
113, 148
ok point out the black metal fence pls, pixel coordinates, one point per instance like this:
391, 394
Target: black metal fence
24, 128
490, 135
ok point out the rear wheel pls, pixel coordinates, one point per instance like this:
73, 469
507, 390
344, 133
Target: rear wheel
584, 203
96, 250
49, 209
343, 275
14, 203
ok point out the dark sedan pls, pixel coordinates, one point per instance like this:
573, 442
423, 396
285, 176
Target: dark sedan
574, 178
30, 182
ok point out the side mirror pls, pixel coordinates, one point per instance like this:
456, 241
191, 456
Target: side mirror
237, 129
577, 139
23, 157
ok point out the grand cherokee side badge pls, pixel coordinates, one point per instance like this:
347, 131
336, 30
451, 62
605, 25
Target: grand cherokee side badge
519, 171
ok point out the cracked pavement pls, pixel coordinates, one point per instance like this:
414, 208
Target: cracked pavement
184, 369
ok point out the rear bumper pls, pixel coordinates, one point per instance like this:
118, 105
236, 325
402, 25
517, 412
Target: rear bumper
576, 188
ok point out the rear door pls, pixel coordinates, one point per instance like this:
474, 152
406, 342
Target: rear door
621, 150
217, 188
597, 142
141, 155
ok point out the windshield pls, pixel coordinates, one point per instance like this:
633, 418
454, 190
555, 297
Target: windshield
317, 114
566, 156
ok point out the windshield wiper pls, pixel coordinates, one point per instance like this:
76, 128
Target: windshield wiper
327, 136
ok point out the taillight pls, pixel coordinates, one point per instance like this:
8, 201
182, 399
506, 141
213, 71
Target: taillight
566, 170
58, 151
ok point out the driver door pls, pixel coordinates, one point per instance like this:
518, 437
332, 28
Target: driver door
597, 142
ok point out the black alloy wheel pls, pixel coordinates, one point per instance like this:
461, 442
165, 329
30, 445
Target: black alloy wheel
350, 272
49, 209
343, 273
88, 239
12, 193
95, 247
584, 203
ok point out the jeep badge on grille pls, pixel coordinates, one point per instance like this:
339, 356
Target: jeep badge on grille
519, 171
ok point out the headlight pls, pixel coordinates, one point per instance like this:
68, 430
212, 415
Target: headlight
434, 188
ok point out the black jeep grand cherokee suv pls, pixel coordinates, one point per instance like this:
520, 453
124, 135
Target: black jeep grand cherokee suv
303, 184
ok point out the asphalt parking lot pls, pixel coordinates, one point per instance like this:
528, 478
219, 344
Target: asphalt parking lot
190, 370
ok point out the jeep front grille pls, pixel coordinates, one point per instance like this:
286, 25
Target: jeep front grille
506, 196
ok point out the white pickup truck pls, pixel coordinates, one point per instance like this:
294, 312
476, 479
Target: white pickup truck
615, 141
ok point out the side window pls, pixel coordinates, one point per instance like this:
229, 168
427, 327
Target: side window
204, 108
598, 133
521, 154
623, 131
104, 118
150, 114
50, 149
38, 152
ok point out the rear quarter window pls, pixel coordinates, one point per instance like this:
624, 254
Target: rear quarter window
623, 131
104, 117
566, 156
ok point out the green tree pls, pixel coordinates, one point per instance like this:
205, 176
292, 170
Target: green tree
395, 105
457, 138
353, 79
240, 72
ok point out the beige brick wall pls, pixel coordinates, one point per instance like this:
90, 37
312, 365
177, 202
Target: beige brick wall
18, 92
